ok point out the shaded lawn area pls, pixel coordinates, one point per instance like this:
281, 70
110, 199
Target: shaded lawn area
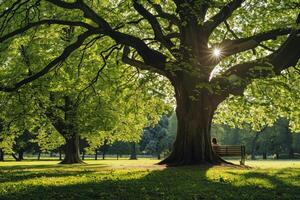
141, 179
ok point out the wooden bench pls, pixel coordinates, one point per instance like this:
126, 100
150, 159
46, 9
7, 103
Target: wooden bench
231, 150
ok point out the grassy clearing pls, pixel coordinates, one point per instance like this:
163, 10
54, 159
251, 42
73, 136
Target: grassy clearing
141, 179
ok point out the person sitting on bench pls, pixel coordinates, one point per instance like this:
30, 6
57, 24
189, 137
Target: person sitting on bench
215, 145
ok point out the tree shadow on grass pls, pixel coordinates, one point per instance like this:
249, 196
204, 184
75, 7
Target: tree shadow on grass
191, 183
26, 172
47, 166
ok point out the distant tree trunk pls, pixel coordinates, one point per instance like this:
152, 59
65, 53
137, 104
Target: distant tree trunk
72, 150
15, 157
254, 143
264, 155
291, 153
277, 155
290, 149
67, 127
39, 155
133, 152
51, 154
104, 148
60, 154
117, 156
96, 154
1, 155
20, 155
82, 157
158, 151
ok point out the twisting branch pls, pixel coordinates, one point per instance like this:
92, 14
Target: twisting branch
110, 50
137, 63
230, 47
286, 56
223, 15
65, 54
158, 32
151, 57
44, 22
170, 17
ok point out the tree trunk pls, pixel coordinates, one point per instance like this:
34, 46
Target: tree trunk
194, 114
264, 155
133, 152
117, 156
20, 155
253, 145
69, 130
39, 155
72, 155
1, 155
96, 154
158, 156
291, 153
82, 157
15, 157
60, 154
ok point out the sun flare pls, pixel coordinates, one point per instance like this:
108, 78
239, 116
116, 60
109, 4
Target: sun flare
216, 52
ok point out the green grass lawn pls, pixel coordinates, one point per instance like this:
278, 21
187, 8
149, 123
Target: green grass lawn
141, 179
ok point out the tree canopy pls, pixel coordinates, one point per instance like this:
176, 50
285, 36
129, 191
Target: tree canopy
207, 49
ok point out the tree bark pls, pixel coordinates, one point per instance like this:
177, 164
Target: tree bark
69, 130
194, 114
72, 155
39, 155
133, 152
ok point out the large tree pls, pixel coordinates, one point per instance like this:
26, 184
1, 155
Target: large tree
208, 49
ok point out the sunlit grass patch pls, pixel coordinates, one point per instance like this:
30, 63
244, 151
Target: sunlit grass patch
142, 179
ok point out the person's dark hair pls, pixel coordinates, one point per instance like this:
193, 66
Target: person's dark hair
214, 141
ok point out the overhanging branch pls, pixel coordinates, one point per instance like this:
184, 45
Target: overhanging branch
230, 47
235, 79
136, 63
43, 22
67, 52
223, 15
154, 24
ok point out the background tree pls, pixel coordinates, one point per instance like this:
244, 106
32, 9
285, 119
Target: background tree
154, 139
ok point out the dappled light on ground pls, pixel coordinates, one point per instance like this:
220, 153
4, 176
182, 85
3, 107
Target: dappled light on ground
142, 179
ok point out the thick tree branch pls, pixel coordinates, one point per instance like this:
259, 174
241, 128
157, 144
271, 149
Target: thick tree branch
172, 18
223, 15
237, 77
158, 32
67, 52
136, 63
151, 57
230, 47
44, 22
